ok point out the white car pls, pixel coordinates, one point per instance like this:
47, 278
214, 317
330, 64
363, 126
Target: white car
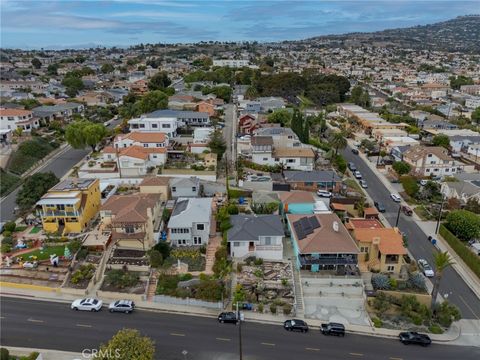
357, 174
324, 193
427, 270
88, 304
363, 184
396, 197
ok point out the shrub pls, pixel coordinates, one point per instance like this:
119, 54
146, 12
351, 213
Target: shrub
258, 261
417, 281
82, 253
156, 258
9, 226
121, 279
258, 273
377, 322
381, 302
239, 267
239, 293
232, 209
393, 283
84, 272
380, 282
464, 224
6, 248
7, 233
163, 248
284, 282
287, 309
446, 313
435, 329
410, 185
74, 246
273, 308
4, 354
260, 308
463, 251
401, 167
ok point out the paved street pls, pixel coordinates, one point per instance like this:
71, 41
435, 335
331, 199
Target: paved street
452, 286
29, 323
229, 130
60, 165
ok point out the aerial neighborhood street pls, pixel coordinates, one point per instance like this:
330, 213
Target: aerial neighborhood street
190, 180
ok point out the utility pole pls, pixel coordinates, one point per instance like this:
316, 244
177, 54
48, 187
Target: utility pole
398, 215
239, 333
440, 215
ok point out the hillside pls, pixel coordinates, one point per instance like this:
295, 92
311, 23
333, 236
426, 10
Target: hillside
461, 34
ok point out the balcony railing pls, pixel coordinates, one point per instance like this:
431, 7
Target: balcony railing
328, 261
268, 247
62, 213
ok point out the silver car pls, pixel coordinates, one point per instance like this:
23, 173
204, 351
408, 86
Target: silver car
125, 306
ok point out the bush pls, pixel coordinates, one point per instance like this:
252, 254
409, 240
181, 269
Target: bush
4, 354
163, 248
393, 283
239, 293
84, 272
464, 224
417, 281
435, 329
258, 261
74, 246
260, 308
410, 185
445, 313
156, 259
401, 167
287, 309
273, 308
340, 163
7, 233
28, 153
121, 279
232, 209
377, 322
82, 254
9, 226
462, 250
381, 302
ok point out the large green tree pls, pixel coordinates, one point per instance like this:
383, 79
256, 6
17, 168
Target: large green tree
280, 116
441, 140
401, 167
464, 224
442, 260
127, 344
34, 188
217, 144
107, 68
159, 81
476, 115
457, 81
84, 133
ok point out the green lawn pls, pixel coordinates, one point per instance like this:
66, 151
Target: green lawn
20, 228
46, 252
35, 230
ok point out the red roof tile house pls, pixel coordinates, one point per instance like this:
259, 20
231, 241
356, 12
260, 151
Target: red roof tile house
11, 119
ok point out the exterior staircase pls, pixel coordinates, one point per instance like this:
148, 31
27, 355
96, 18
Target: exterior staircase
300, 310
213, 244
152, 285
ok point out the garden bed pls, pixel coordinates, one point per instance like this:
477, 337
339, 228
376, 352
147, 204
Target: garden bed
186, 286
191, 256
124, 281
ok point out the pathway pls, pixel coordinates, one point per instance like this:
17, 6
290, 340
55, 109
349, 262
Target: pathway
213, 244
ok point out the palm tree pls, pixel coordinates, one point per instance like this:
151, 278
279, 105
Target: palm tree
338, 141
442, 260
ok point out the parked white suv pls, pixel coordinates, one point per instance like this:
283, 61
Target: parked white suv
324, 193
427, 270
396, 197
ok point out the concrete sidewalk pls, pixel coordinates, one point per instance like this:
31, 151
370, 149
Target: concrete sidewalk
450, 337
48, 354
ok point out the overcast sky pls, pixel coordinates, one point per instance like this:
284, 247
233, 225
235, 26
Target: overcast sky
66, 23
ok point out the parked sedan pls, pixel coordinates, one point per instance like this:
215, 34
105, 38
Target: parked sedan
395, 197
412, 337
379, 206
363, 184
88, 304
125, 306
426, 268
228, 317
295, 325
357, 174
324, 193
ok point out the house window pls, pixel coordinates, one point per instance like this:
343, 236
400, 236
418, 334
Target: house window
429, 155
197, 240
165, 126
145, 145
142, 126
174, 188
364, 249
268, 240
390, 268
290, 160
154, 126
159, 145
428, 170
308, 184
129, 229
236, 244
200, 226
194, 188
265, 159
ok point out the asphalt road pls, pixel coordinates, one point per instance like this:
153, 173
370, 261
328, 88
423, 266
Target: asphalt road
59, 165
48, 325
452, 286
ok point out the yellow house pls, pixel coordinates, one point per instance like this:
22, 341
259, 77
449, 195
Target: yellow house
381, 249
70, 205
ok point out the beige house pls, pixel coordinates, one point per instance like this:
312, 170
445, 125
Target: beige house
156, 185
133, 219
432, 160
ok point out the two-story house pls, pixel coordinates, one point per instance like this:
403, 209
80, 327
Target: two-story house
155, 123
11, 119
430, 161
281, 136
133, 219
143, 139
70, 205
185, 187
190, 222
134, 161
321, 242
256, 235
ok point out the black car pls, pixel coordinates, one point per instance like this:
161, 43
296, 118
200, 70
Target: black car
228, 317
295, 325
379, 206
412, 337
352, 166
336, 329
355, 151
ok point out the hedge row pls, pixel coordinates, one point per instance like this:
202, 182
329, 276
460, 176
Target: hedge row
462, 250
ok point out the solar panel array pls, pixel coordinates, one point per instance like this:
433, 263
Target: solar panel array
305, 226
